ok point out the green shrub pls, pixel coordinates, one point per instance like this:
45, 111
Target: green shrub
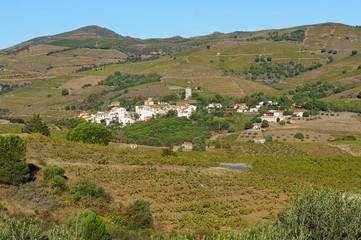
58, 183
84, 187
168, 152
90, 133
51, 171
65, 92
13, 168
298, 136
139, 214
11, 229
94, 228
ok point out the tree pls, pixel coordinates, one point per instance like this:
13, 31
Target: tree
67, 108
198, 145
353, 53
36, 125
248, 125
269, 59
264, 124
306, 114
359, 95
323, 50
13, 168
65, 92
208, 46
90, 133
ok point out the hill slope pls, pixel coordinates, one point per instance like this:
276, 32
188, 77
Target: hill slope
216, 62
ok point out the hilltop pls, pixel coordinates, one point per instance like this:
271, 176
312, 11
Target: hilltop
232, 64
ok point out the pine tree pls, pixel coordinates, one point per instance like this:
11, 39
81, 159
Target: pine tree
36, 125
13, 168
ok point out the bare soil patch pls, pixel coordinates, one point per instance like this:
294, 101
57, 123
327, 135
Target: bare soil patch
77, 83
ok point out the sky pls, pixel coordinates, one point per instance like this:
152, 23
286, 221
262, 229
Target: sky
22, 20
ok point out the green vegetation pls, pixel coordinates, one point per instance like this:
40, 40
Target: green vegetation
277, 71
36, 125
51, 171
296, 36
354, 52
84, 187
122, 81
298, 136
5, 88
13, 168
138, 214
168, 131
90, 133
65, 92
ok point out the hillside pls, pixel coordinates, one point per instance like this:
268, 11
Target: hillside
218, 63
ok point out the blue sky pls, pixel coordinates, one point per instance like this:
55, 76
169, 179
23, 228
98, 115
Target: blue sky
22, 20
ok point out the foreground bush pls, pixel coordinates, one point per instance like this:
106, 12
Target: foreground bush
23, 229
13, 168
313, 214
90, 133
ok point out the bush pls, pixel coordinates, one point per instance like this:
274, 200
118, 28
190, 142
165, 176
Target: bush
248, 125
139, 214
306, 113
94, 228
298, 136
58, 183
13, 168
84, 187
90, 133
313, 214
353, 53
65, 92
168, 152
20, 229
74, 122
51, 171
264, 124
36, 125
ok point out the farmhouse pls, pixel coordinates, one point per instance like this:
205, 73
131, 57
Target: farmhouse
260, 140
273, 119
298, 113
187, 146
214, 106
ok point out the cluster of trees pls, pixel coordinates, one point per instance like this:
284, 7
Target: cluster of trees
295, 36
314, 91
323, 50
122, 81
166, 131
5, 88
278, 71
262, 59
89, 133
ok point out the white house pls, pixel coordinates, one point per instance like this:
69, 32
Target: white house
149, 102
214, 106
278, 113
273, 119
298, 113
